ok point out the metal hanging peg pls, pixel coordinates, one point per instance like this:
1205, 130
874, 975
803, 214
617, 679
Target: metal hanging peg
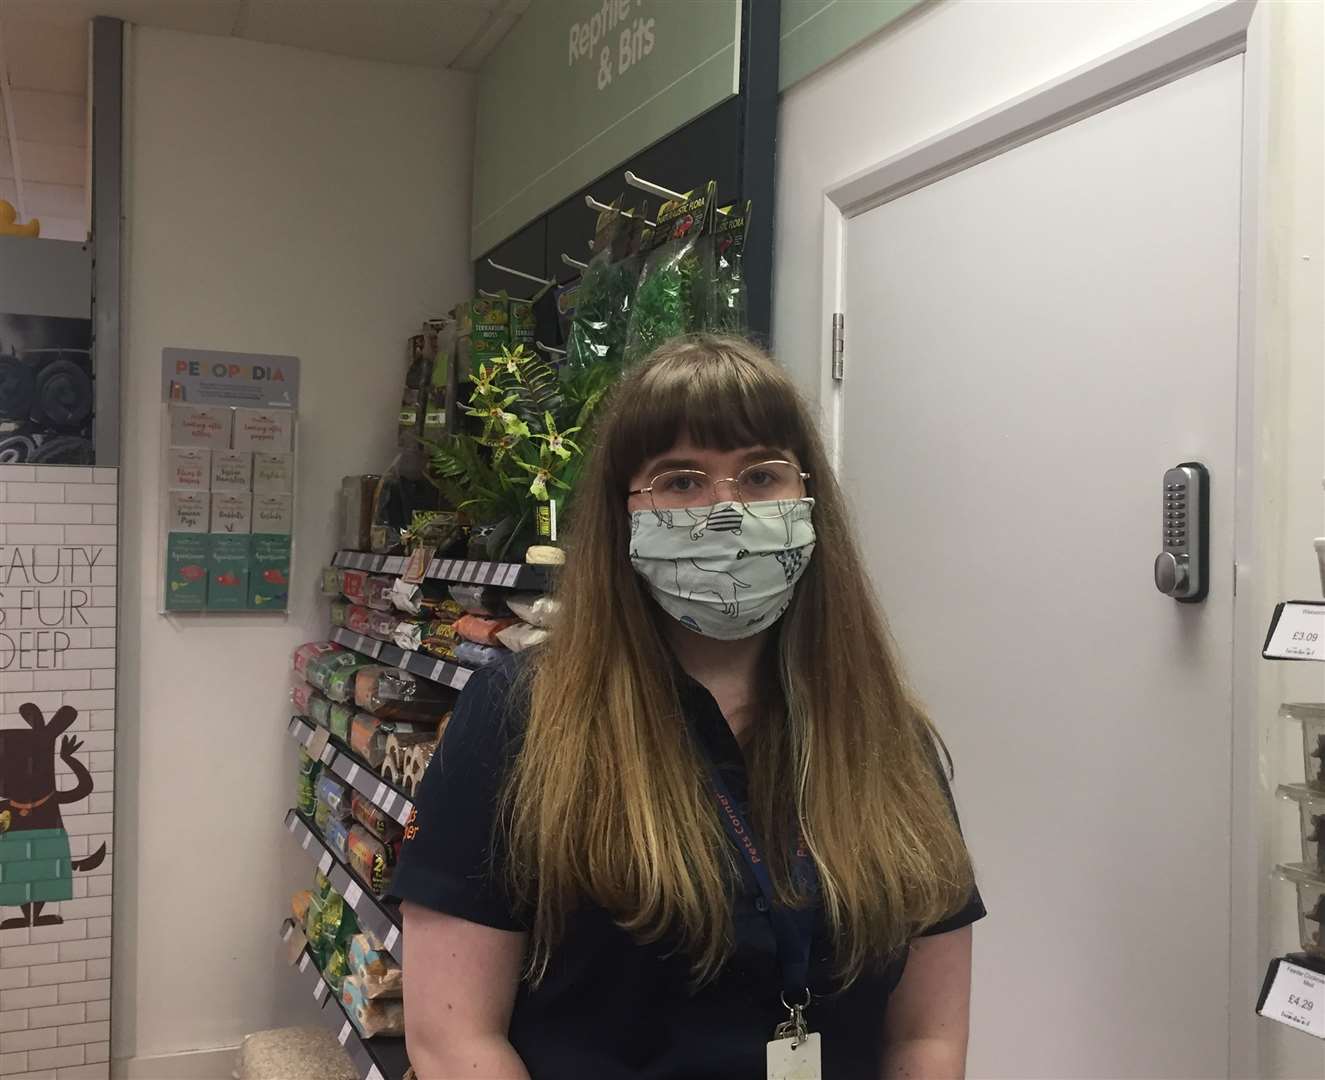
594, 204
550, 348
520, 273
574, 263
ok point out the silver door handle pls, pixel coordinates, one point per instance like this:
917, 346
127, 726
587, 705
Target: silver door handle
1182, 567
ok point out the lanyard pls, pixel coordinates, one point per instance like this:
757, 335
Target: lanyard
792, 927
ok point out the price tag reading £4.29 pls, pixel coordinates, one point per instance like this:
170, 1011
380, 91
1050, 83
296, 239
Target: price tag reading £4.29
1297, 998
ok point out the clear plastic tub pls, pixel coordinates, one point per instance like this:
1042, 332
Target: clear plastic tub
1312, 719
1310, 905
1311, 809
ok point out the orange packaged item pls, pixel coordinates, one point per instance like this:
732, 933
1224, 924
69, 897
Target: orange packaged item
482, 630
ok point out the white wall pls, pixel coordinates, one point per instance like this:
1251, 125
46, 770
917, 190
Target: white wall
278, 201
952, 60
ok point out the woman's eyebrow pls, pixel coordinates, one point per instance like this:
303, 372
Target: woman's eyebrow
765, 453
663, 464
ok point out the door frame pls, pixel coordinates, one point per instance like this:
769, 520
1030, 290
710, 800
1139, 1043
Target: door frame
1217, 32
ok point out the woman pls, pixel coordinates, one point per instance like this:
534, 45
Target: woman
706, 811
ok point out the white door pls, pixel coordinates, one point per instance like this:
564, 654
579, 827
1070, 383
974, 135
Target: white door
1031, 342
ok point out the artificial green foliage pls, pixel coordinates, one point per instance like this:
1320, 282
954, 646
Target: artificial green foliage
529, 448
669, 302
602, 307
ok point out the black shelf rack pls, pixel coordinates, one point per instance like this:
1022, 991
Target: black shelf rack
380, 920
353, 770
446, 672
464, 571
379, 1058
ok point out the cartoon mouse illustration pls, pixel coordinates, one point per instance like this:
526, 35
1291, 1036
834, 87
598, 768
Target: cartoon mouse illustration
35, 865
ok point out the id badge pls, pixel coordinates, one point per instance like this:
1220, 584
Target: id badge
795, 1059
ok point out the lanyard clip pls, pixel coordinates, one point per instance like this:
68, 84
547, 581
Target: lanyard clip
794, 1027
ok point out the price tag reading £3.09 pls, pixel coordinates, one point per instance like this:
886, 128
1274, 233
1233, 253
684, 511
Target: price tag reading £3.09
1297, 998
1298, 632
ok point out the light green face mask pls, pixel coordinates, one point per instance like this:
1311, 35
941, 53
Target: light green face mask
722, 571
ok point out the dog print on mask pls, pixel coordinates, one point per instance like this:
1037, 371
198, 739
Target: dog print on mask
35, 865
720, 584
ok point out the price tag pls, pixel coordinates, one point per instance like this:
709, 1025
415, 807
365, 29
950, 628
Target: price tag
320, 990
1296, 998
392, 936
1297, 632
294, 944
379, 793
308, 839
387, 801
374, 1074
324, 863
353, 772
316, 742
344, 1035
353, 894
303, 962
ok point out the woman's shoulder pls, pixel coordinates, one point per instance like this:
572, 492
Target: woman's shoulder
493, 708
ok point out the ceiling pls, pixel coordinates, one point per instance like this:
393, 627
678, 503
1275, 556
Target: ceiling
43, 69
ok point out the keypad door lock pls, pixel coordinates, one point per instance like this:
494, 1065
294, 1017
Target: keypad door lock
1182, 569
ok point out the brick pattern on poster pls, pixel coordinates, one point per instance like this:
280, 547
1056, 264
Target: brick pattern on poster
58, 567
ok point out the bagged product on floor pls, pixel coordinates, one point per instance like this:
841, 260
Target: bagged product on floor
480, 628
537, 609
395, 694
371, 859
375, 971
520, 636
480, 599
314, 650
385, 1016
474, 655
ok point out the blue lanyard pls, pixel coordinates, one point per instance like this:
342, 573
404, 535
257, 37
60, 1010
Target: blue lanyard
792, 927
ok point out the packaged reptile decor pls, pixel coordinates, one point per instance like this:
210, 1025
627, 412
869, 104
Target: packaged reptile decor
672, 297
596, 310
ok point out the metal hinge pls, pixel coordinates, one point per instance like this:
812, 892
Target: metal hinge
839, 345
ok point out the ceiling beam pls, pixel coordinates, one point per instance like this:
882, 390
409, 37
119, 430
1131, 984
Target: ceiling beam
11, 132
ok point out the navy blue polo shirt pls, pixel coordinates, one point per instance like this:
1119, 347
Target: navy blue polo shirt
610, 1007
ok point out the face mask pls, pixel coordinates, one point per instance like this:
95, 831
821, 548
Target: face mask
725, 577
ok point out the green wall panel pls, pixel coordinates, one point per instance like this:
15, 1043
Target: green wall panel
815, 32
578, 86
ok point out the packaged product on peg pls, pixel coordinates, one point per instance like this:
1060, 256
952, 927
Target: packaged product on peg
395, 694
329, 581
481, 628
674, 290
429, 600
306, 800
727, 306
337, 835
341, 684
480, 599
536, 609
374, 818
377, 592
475, 655
333, 800
314, 650
369, 734
356, 510
339, 720
520, 636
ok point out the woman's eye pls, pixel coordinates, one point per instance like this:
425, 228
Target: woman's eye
759, 478
679, 485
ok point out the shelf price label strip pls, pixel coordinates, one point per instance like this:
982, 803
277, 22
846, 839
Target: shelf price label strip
438, 671
467, 571
369, 913
367, 784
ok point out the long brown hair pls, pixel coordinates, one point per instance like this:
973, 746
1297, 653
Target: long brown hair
608, 800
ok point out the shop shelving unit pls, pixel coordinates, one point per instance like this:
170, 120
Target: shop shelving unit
378, 1058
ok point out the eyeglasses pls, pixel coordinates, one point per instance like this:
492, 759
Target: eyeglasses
766, 489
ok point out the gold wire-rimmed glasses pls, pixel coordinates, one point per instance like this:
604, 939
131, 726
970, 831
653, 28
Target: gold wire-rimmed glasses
766, 489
